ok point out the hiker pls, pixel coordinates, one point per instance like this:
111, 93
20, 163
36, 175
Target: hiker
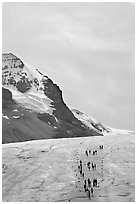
79, 167
88, 192
85, 182
81, 171
101, 146
92, 191
86, 152
85, 188
83, 174
94, 182
88, 164
85, 185
93, 166
89, 182
89, 151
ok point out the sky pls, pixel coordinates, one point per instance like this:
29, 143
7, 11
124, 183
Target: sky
85, 48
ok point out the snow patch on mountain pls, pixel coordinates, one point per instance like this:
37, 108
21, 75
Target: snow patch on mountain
15, 116
114, 131
15, 110
35, 72
5, 116
90, 122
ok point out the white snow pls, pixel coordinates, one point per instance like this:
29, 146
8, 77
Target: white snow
33, 99
15, 116
15, 110
56, 119
40, 105
6, 117
114, 131
88, 120
85, 120
31, 69
39, 171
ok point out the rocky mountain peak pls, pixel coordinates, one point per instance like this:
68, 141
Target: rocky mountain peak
18, 76
35, 96
9, 56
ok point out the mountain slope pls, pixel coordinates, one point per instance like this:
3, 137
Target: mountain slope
90, 122
33, 106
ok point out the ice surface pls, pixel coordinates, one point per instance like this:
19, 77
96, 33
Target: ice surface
47, 170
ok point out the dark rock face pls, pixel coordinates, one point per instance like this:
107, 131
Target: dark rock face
65, 129
7, 101
54, 93
6, 95
26, 128
69, 126
63, 123
23, 85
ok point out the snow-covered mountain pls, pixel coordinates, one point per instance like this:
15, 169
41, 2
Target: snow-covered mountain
26, 84
33, 106
93, 124
90, 122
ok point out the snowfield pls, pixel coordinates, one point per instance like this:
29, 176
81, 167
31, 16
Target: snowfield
33, 100
47, 170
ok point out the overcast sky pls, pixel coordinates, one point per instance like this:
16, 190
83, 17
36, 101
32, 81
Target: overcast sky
86, 48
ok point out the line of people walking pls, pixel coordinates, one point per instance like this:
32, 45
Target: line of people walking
88, 183
88, 152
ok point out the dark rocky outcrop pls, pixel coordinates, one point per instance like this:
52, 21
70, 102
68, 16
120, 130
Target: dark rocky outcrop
54, 93
7, 101
23, 85
6, 95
